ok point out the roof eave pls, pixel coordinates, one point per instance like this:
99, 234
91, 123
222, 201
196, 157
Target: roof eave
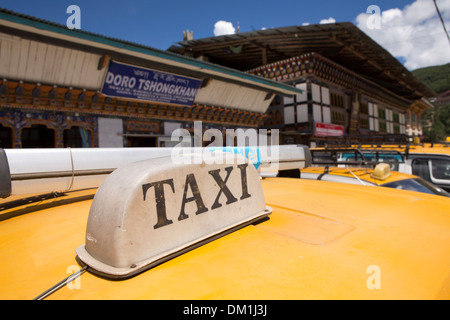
34, 25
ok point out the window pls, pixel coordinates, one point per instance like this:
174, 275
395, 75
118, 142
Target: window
337, 100
326, 115
139, 142
317, 113
420, 168
364, 115
5, 137
303, 96
302, 113
381, 113
288, 100
38, 136
325, 95
338, 113
440, 169
315, 92
417, 184
381, 119
338, 116
364, 122
289, 115
396, 118
364, 108
77, 137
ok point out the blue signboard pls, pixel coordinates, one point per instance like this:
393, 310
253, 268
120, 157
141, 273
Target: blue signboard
131, 82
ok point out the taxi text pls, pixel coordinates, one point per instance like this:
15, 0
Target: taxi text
191, 183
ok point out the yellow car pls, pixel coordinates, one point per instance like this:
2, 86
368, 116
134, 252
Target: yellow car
431, 162
196, 229
380, 175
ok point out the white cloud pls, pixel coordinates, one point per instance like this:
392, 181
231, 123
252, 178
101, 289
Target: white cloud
329, 20
413, 34
223, 27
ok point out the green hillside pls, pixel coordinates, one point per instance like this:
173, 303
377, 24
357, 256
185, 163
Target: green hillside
436, 77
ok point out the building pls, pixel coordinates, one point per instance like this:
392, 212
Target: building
354, 90
71, 88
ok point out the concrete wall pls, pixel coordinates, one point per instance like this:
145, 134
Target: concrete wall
110, 132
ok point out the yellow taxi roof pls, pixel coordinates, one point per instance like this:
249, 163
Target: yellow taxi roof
413, 148
323, 240
365, 174
438, 148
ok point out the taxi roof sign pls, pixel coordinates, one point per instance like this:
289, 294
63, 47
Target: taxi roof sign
381, 171
152, 210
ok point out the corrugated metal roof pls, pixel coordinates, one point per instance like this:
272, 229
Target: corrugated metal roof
233, 96
35, 61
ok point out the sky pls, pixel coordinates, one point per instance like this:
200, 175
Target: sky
409, 29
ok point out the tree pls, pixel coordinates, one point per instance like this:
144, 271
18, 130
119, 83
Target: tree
439, 117
444, 117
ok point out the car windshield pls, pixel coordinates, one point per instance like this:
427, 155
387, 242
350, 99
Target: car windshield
417, 184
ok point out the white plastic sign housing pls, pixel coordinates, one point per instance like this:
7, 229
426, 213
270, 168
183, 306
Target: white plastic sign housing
150, 211
61, 170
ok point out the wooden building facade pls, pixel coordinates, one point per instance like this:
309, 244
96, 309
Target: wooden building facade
353, 89
52, 82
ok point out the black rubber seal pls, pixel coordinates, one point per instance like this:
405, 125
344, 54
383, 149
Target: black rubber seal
5, 176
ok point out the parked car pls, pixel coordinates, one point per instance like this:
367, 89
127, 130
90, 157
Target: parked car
431, 162
381, 176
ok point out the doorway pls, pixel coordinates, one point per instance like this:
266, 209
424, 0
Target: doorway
140, 142
5, 137
38, 136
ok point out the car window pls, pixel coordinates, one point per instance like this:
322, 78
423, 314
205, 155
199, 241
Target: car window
420, 168
417, 184
392, 159
440, 169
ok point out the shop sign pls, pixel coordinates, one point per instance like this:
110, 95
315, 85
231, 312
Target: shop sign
328, 130
132, 82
